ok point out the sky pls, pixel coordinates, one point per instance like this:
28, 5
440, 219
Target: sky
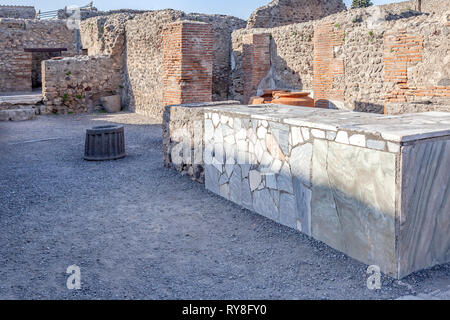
238, 8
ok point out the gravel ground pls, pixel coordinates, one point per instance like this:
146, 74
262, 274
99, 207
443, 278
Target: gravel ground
140, 231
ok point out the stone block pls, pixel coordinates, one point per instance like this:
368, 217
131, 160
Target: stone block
112, 104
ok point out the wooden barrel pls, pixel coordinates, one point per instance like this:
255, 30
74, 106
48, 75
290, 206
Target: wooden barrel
105, 143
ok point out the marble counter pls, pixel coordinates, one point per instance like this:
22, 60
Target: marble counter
372, 186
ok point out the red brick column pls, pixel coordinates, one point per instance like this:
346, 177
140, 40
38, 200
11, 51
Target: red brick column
326, 66
187, 62
255, 62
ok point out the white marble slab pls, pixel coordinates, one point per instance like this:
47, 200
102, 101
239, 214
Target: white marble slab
399, 128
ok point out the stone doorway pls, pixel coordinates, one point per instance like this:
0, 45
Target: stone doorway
37, 56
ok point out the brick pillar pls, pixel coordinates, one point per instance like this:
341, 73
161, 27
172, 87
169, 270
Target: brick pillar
187, 62
255, 62
327, 67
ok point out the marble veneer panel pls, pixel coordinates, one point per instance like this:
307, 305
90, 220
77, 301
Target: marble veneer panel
353, 202
424, 231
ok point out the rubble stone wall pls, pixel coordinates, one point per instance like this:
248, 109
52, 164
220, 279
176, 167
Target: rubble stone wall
290, 64
183, 141
371, 60
284, 12
16, 35
76, 84
17, 12
143, 57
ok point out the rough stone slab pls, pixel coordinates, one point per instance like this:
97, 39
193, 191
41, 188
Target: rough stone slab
17, 114
27, 99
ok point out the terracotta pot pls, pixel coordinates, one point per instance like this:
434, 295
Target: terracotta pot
291, 95
256, 100
298, 102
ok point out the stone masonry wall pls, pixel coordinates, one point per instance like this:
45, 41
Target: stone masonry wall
17, 12
105, 35
16, 35
284, 12
143, 57
290, 64
77, 84
183, 142
371, 60
143, 61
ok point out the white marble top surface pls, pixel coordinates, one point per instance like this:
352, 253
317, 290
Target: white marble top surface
399, 128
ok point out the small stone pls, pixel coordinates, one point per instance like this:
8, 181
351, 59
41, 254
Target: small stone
271, 181
296, 136
215, 119
230, 139
276, 166
305, 133
342, 137
261, 133
376, 144
393, 147
318, 133
358, 140
284, 180
254, 179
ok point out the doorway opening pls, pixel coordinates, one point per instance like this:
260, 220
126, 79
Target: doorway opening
37, 56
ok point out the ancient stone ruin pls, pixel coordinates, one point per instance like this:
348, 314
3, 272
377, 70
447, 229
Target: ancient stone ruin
353, 177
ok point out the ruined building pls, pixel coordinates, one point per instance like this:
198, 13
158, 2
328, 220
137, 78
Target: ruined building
391, 58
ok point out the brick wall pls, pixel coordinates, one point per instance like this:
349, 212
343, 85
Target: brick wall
187, 62
327, 66
403, 51
144, 57
367, 60
255, 63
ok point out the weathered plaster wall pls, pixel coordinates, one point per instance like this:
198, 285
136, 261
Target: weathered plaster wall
284, 12
16, 35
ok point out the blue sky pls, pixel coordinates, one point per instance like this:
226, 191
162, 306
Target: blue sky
239, 8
